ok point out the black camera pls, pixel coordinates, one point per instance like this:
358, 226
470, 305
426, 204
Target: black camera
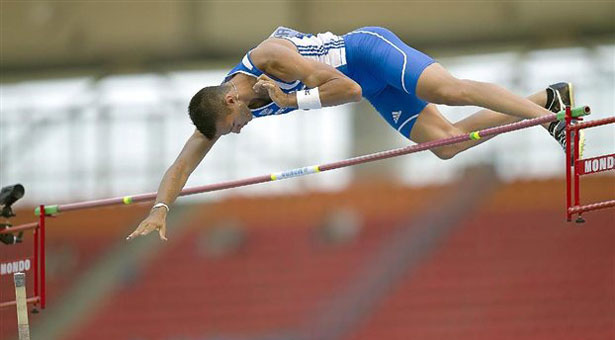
9, 195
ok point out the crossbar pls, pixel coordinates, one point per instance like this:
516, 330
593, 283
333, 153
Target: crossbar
577, 209
475, 135
18, 228
592, 123
33, 300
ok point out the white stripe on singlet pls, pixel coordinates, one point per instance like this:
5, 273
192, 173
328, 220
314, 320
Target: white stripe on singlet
326, 47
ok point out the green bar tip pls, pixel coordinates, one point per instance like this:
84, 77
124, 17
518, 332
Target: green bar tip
49, 210
576, 112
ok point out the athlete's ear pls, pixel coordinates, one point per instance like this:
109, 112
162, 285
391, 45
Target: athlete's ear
229, 98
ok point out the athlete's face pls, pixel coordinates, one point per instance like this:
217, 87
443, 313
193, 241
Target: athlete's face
238, 117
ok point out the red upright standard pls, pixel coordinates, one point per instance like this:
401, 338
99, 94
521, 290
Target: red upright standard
575, 167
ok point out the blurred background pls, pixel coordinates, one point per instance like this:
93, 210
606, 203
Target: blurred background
93, 104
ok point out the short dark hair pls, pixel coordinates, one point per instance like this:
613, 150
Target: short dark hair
206, 107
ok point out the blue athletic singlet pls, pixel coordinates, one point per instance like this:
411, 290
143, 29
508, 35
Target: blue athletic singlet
386, 68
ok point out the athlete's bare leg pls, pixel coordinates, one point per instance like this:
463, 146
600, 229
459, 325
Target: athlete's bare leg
436, 85
432, 125
484, 119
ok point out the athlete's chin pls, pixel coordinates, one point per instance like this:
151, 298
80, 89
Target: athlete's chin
238, 130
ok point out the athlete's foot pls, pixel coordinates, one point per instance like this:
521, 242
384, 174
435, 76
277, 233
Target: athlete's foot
559, 96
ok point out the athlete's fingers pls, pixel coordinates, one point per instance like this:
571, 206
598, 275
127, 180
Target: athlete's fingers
135, 233
258, 87
264, 77
270, 86
147, 230
271, 89
131, 236
162, 232
277, 95
262, 82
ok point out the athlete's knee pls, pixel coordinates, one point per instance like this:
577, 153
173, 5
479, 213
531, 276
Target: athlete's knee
448, 151
445, 152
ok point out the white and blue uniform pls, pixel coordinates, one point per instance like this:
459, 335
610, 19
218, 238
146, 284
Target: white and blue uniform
386, 68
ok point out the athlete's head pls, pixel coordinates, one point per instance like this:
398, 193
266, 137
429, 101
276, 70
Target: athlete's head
217, 110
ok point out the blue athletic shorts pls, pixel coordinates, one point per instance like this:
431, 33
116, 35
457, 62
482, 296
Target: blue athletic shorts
387, 70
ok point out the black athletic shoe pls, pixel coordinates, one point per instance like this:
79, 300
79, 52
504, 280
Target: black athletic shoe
559, 96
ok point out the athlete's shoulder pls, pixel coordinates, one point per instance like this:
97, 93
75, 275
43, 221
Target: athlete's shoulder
271, 52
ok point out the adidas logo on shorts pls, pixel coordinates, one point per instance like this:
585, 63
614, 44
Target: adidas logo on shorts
396, 115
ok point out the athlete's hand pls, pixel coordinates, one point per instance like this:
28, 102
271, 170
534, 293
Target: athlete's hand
155, 221
259, 88
264, 84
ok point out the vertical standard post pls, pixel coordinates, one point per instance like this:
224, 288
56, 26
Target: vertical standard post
576, 169
36, 232
22, 306
42, 257
568, 154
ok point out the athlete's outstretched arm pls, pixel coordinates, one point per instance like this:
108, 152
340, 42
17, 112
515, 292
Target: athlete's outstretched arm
286, 64
173, 181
